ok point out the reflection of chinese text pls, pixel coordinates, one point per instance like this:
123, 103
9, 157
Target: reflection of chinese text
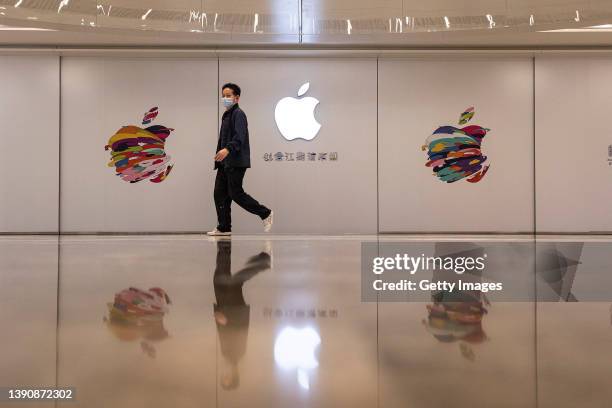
300, 313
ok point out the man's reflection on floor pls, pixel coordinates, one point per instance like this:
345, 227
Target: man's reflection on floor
456, 316
231, 311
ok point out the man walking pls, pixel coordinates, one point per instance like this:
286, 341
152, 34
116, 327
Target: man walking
231, 161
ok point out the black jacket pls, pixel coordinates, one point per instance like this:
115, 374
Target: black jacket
234, 135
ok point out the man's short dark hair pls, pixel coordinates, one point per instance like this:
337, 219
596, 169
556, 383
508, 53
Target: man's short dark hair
235, 88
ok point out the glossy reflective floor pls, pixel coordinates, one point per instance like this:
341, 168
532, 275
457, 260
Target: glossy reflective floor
278, 321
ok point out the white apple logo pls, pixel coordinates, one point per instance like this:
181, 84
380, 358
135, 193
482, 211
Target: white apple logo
295, 117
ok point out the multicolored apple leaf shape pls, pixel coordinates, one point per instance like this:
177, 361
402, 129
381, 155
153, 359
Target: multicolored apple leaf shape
138, 154
466, 116
455, 153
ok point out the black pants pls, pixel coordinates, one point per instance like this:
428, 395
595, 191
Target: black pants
228, 188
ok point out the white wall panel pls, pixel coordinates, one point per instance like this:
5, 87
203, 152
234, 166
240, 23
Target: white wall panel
415, 98
29, 112
310, 196
574, 175
99, 96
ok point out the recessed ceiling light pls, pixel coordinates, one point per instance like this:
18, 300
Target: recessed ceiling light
145, 15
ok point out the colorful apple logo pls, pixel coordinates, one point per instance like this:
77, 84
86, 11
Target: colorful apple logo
139, 153
295, 116
455, 154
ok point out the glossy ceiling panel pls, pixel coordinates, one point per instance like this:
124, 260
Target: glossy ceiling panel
381, 22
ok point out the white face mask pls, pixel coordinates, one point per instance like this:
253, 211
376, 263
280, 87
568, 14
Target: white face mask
228, 102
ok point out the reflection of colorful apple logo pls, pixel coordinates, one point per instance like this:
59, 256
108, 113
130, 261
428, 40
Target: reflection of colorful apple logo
295, 117
138, 314
139, 154
455, 153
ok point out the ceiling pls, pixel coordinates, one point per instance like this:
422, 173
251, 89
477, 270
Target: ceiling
307, 23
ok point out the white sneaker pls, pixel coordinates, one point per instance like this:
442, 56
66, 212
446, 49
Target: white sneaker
268, 250
268, 223
216, 232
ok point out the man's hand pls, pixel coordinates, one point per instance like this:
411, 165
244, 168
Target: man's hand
221, 154
220, 318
